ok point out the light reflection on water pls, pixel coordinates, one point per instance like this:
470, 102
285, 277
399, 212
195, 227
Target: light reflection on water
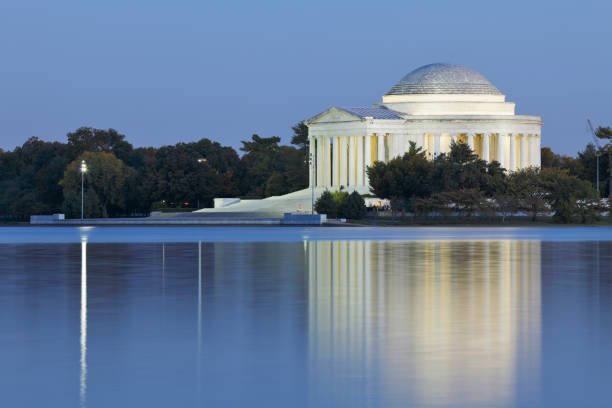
444, 324
313, 323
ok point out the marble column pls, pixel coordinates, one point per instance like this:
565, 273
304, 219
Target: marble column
318, 162
454, 138
326, 160
512, 164
471, 141
360, 160
352, 158
538, 155
381, 147
500, 149
523, 150
530, 150
436, 145
535, 152
342, 162
367, 158
321, 161
420, 141
485, 147
336, 162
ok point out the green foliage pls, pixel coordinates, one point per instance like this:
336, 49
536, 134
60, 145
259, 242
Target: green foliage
325, 204
464, 202
185, 174
87, 139
528, 190
107, 177
191, 173
29, 178
340, 198
341, 204
412, 177
92, 208
300, 136
604, 133
355, 208
564, 192
402, 180
276, 184
584, 166
462, 169
263, 158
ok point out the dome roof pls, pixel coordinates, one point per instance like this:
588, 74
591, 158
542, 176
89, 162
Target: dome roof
443, 79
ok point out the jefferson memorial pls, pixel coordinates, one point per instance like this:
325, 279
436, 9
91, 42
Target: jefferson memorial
433, 106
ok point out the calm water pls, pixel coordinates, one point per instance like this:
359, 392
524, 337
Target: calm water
294, 317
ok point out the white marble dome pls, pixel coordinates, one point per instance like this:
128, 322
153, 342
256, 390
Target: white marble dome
442, 78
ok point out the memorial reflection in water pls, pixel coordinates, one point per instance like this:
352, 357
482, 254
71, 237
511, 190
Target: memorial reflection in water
435, 322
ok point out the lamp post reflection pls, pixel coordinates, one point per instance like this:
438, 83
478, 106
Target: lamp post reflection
199, 321
83, 338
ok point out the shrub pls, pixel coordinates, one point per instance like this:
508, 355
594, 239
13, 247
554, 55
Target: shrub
325, 204
355, 206
340, 198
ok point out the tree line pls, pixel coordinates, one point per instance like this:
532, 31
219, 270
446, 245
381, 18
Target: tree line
459, 183
42, 177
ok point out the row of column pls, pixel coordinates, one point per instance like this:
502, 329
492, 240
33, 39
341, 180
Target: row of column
523, 148
344, 162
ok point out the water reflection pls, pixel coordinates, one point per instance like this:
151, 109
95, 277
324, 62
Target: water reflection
83, 338
303, 324
436, 323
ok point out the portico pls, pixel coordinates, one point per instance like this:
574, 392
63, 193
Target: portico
432, 106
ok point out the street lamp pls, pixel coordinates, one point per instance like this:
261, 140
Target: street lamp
201, 160
312, 181
597, 154
83, 171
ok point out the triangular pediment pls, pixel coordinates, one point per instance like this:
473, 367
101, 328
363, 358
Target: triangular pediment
333, 114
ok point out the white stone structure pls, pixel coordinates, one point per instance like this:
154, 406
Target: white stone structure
432, 106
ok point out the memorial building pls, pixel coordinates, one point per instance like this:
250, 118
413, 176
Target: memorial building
433, 106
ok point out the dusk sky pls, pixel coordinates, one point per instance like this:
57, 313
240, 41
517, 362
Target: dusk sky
164, 72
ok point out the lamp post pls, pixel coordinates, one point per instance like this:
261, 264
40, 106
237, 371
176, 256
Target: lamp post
83, 171
310, 163
200, 160
597, 154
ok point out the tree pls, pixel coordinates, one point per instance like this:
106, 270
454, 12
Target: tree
276, 184
506, 204
192, 173
300, 136
89, 139
466, 202
355, 206
340, 198
325, 205
404, 179
563, 192
547, 157
527, 188
107, 176
462, 169
264, 157
606, 134
29, 178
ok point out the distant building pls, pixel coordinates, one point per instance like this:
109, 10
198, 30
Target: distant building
432, 106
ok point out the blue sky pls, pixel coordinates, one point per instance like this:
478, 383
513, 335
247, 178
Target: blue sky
163, 72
